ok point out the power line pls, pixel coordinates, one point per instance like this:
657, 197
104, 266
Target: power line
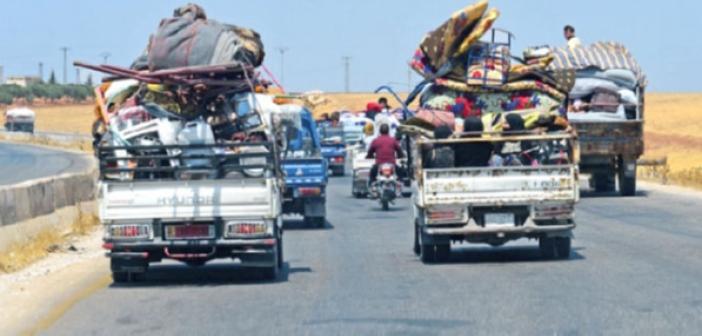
347, 71
65, 64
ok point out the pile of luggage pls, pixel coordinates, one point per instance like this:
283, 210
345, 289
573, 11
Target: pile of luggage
609, 82
470, 75
195, 85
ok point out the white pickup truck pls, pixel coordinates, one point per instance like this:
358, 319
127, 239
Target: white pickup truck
530, 193
155, 205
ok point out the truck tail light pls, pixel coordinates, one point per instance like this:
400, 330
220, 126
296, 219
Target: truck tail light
246, 229
553, 211
446, 215
338, 159
310, 192
129, 232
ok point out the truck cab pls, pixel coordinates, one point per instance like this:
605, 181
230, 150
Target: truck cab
306, 170
496, 203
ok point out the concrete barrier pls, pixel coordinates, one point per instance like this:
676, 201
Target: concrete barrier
31, 207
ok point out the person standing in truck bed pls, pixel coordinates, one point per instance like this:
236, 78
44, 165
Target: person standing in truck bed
573, 41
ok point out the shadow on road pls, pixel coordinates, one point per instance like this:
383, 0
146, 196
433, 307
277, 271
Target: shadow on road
593, 194
517, 254
218, 274
299, 225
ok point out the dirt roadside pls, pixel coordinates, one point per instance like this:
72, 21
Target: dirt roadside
33, 298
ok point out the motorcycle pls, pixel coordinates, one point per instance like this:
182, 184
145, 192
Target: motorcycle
386, 187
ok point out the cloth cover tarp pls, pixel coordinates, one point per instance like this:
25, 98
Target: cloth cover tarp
601, 55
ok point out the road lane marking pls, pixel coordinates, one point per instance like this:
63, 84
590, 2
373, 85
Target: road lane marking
57, 312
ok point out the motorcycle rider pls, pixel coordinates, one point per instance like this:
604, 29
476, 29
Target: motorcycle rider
385, 149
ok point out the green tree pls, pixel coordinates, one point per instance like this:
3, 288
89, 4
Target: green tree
52, 78
89, 81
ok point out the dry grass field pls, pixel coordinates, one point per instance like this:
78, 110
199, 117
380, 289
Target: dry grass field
673, 128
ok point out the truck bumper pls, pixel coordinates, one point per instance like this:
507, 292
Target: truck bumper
308, 206
249, 252
473, 229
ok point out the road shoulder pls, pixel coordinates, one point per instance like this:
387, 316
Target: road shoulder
32, 299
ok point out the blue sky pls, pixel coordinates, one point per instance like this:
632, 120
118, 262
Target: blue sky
379, 35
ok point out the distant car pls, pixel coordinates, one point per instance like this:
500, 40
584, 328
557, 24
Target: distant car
20, 120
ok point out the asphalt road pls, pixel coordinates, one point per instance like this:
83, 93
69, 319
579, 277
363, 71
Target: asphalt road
19, 163
636, 269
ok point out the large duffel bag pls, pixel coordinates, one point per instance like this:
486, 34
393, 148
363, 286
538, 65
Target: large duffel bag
190, 39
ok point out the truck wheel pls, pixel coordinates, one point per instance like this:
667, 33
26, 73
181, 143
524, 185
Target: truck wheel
548, 247
417, 249
271, 273
317, 222
627, 184
563, 247
604, 182
427, 254
443, 252
119, 275
386, 205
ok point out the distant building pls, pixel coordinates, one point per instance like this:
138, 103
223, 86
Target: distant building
23, 81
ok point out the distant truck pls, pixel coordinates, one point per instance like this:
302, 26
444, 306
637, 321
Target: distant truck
495, 205
306, 170
606, 107
20, 120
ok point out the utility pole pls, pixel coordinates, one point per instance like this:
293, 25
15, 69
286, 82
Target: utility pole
105, 56
41, 72
65, 64
77, 75
347, 70
409, 80
282, 51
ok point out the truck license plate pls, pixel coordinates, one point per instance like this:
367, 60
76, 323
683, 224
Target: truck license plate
499, 219
189, 232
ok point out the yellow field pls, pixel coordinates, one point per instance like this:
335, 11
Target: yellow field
673, 127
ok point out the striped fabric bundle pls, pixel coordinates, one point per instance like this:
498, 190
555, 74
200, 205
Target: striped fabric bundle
601, 55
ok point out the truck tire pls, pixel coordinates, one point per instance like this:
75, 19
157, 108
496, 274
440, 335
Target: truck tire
563, 247
604, 182
272, 273
386, 205
547, 246
120, 276
316, 222
443, 252
427, 253
627, 184
417, 249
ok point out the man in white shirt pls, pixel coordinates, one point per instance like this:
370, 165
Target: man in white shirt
573, 41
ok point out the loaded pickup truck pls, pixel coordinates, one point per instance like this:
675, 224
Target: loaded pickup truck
191, 203
498, 203
305, 170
